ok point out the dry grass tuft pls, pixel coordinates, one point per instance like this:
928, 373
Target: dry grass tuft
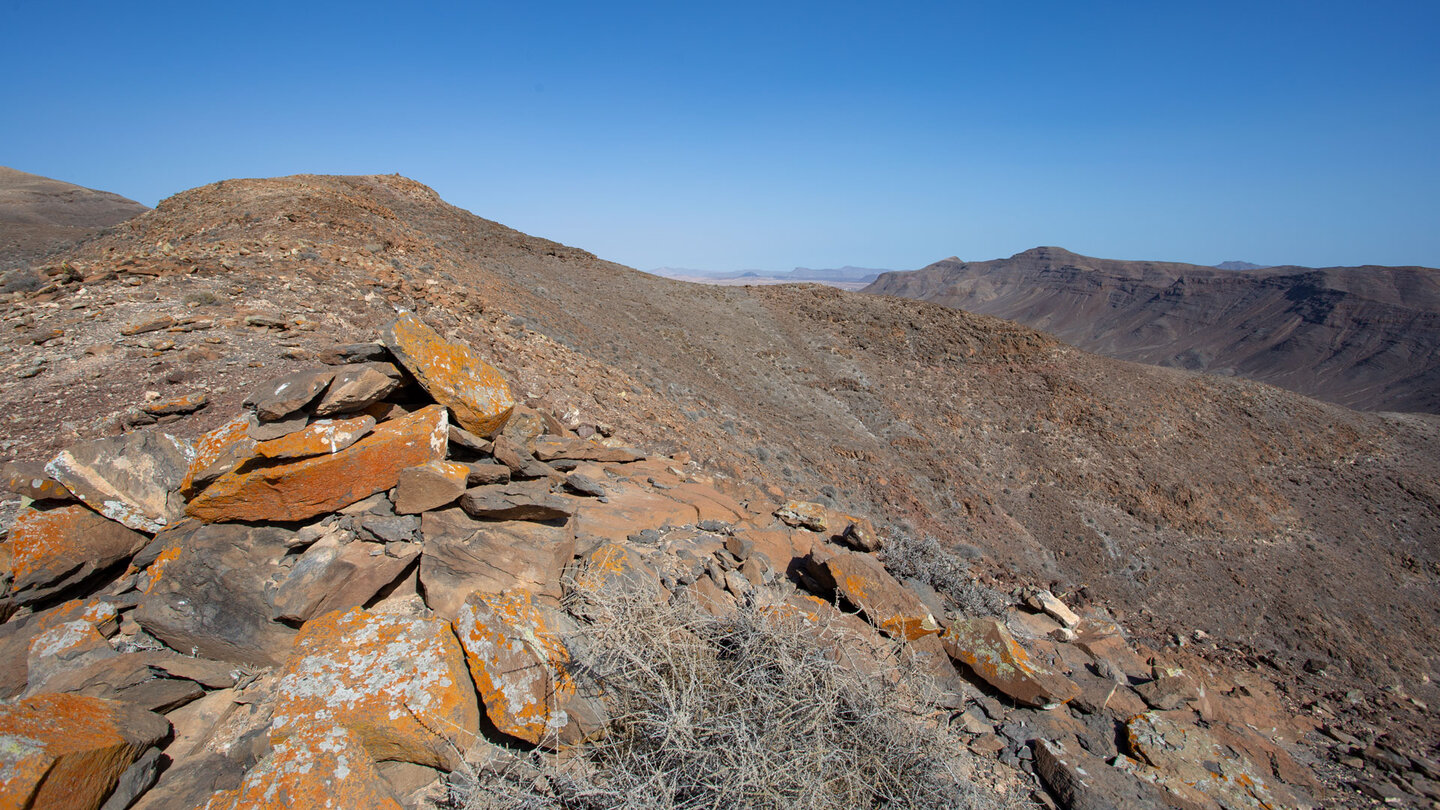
922, 558
749, 711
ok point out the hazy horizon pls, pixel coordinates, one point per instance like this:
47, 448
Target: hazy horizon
774, 136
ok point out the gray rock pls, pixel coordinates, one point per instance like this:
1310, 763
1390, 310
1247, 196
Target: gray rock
485, 472
136, 779
354, 353
134, 479
523, 500
208, 598
280, 397
334, 576
1080, 781
189, 784
390, 528
357, 386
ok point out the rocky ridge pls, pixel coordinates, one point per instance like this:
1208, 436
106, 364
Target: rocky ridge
351, 622
1363, 337
1188, 506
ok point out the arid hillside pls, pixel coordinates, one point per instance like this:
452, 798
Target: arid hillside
1363, 337
1288, 535
39, 216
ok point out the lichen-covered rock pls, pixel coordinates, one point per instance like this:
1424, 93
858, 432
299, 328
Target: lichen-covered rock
521, 667
1187, 756
312, 486
399, 683
462, 555
614, 567
320, 766
55, 548
430, 486
453, 374
134, 479
991, 652
323, 436
218, 452
865, 583
31, 480
66, 752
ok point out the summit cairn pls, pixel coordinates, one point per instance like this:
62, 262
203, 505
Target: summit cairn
388, 584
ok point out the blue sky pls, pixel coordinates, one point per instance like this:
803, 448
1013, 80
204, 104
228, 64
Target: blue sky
769, 135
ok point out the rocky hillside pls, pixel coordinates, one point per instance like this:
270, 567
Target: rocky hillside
340, 598
39, 216
1363, 337
1289, 537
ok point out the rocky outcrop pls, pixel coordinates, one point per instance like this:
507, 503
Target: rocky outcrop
341, 620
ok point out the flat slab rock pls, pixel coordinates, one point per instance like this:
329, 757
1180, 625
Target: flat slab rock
55, 548
318, 766
398, 683
134, 479
991, 652
451, 373
299, 490
462, 555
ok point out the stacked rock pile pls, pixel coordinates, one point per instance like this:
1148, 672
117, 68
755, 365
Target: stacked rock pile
338, 597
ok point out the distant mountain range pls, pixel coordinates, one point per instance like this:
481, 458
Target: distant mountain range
1364, 337
848, 274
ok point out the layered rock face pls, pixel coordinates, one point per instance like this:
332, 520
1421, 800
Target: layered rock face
351, 598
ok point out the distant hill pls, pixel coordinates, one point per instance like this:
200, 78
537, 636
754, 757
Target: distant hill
846, 275
1364, 337
1234, 265
39, 215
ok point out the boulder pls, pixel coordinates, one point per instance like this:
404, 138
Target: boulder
69, 751
56, 548
988, 649
134, 479
522, 668
331, 576
1186, 756
517, 500
615, 568
1083, 781
864, 583
206, 593
321, 437
430, 486
280, 397
302, 489
218, 452
316, 766
550, 448
450, 372
462, 555
29, 479
399, 683
356, 387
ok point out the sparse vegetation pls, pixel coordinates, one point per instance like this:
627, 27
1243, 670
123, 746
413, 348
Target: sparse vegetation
749, 711
921, 557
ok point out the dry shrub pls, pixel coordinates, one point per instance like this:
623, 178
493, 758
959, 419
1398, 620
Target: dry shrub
749, 711
922, 558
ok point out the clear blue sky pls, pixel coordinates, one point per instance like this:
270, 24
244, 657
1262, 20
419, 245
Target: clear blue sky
768, 135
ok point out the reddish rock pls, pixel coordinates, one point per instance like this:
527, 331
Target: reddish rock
333, 576
280, 397
189, 403
400, 684
454, 375
550, 448
991, 652
517, 500
218, 452
522, 668
615, 568
143, 325
319, 484
462, 555
484, 472
629, 510
430, 486
709, 503
321, 437
358, 386
521, 463
1186, 756
67, 752
804, 515
134, 479
865, 583
55, 548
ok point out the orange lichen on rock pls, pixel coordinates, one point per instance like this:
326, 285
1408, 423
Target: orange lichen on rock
518, 662
615, 567
865, 583
217, 452
68, 751
453, 374
991, 652
57, 547
319, 766
399, 683
324, 436
319, 484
